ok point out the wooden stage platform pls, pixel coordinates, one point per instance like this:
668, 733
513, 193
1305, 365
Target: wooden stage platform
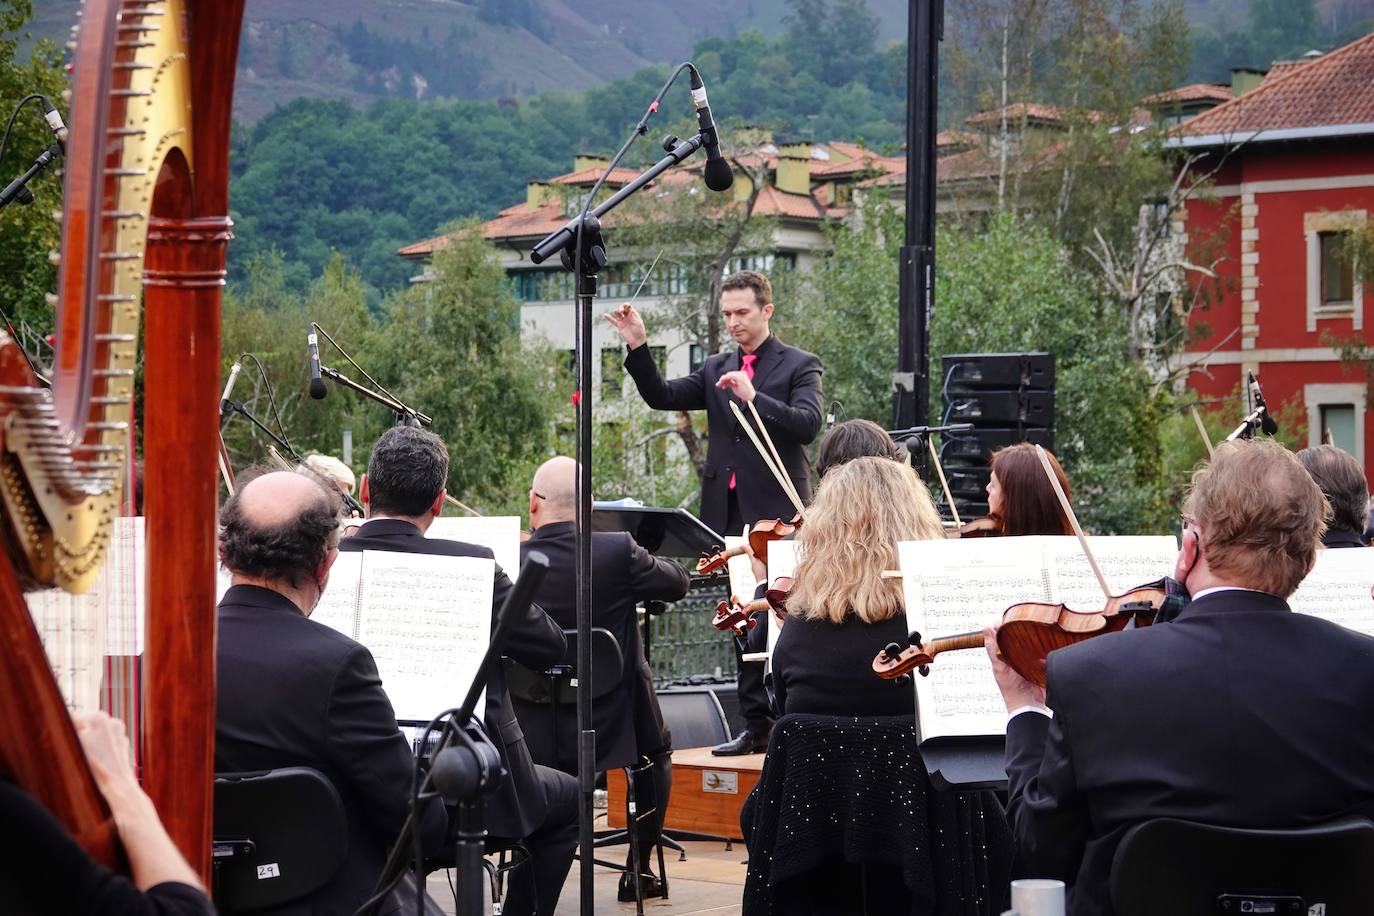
708, 792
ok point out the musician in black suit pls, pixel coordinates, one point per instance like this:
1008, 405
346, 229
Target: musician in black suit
737, 489
1239, 712
628, 723
403, 491
293, 692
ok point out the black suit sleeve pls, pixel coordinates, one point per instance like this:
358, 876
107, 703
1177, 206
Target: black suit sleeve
655, 579
686, 393
368, 750
800, 416
1048, 813
535, 641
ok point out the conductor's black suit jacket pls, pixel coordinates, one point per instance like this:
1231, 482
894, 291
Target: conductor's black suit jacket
518, 806
628, 722
293, 692
1240, 712
787, 382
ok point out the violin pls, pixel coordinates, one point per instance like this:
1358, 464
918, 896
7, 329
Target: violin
763, 533
985, 527
1030, 631
737, 618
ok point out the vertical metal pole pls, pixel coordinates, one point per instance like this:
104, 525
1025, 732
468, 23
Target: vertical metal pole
348, 446
586, 745
916, 278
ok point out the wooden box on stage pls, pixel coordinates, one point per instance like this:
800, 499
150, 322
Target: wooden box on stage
708, 792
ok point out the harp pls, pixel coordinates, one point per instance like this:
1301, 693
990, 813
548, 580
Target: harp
144, 234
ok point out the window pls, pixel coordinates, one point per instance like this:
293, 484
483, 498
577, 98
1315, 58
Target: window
696, 355
1333, 285
1338, 423
1337, 267
612, 378
1340, 408
540, 285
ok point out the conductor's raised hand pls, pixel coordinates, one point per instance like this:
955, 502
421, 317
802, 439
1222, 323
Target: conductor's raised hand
1016, 690
738, 384
629, 323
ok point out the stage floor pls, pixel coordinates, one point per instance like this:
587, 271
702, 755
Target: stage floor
710, 881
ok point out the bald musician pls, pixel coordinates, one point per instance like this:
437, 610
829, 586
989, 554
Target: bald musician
737, 489
292, 692
629, 724
1239, 712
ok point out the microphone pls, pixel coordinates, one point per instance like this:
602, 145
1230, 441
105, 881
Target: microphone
1268, 424
719, 176
312, 343
229, 386
54, 119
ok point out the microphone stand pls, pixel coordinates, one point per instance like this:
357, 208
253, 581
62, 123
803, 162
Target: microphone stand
466, 772
405, 416
18, 189
228, 407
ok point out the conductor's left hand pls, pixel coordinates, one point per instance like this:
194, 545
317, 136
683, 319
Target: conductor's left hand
738, 384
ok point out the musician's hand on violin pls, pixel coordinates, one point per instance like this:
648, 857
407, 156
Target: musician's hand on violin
738, 384
1016, 690
629, 323
759, 567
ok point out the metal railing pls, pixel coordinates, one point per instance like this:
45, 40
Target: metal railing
683, 646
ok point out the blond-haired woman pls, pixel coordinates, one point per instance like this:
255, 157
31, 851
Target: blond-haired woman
841, 610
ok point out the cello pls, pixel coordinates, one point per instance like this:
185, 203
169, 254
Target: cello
145, 227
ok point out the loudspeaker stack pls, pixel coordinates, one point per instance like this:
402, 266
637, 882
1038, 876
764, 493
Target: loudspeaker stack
1009, 398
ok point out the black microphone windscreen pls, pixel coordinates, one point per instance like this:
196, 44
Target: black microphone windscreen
719, 175
318, 389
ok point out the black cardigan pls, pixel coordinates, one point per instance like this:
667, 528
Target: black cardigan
826, 669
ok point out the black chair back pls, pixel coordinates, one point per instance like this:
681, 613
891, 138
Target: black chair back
558, 686
694, 716
279, 836
1184, 868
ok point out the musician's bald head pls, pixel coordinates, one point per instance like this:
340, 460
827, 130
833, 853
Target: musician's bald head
279, 531
553, 496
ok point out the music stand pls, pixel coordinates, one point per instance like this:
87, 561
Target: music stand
966, 763
662, 532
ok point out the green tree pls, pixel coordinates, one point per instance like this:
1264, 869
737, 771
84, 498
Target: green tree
452, 348
27, 234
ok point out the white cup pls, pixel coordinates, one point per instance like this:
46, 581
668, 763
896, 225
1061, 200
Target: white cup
1037, 897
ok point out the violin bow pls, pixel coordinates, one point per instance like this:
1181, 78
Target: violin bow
944, 484
226, 471
454, 501
648, 273
773, 449
768, 460
1073, 520
1202, 430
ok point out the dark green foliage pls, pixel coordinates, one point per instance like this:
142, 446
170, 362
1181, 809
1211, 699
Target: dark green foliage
1273, 30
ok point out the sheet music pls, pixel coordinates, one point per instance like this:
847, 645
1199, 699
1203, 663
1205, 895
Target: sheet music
500, 533
1126, 563
740, 570
1338, 589
427, 621
338, 607
958, 586
71, 628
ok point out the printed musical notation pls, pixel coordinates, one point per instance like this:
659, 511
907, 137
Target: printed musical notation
1338, 589
499, 533
959, 586
425, 619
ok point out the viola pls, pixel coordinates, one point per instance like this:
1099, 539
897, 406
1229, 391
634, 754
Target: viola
1030, 631
763, 533
985, 527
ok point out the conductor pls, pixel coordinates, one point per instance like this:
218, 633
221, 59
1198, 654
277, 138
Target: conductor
737, 489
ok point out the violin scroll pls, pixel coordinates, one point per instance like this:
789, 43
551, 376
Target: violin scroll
733, 617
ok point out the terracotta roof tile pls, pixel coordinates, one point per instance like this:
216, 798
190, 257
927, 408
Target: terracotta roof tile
1197, 92
1328, 91
865, 162
773, 202
590, 174
1030, 110
955, 138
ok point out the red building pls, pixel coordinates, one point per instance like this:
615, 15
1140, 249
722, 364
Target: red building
1296, 174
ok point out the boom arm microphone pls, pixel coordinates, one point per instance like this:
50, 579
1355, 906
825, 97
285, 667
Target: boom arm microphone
54, 119
1268, 424
719, 176
312, 343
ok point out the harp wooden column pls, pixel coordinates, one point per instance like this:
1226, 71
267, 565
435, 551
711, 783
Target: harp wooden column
183, 278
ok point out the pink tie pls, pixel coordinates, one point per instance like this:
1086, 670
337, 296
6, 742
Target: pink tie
748, 359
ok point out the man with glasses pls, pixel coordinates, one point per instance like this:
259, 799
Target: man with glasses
1237, 712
